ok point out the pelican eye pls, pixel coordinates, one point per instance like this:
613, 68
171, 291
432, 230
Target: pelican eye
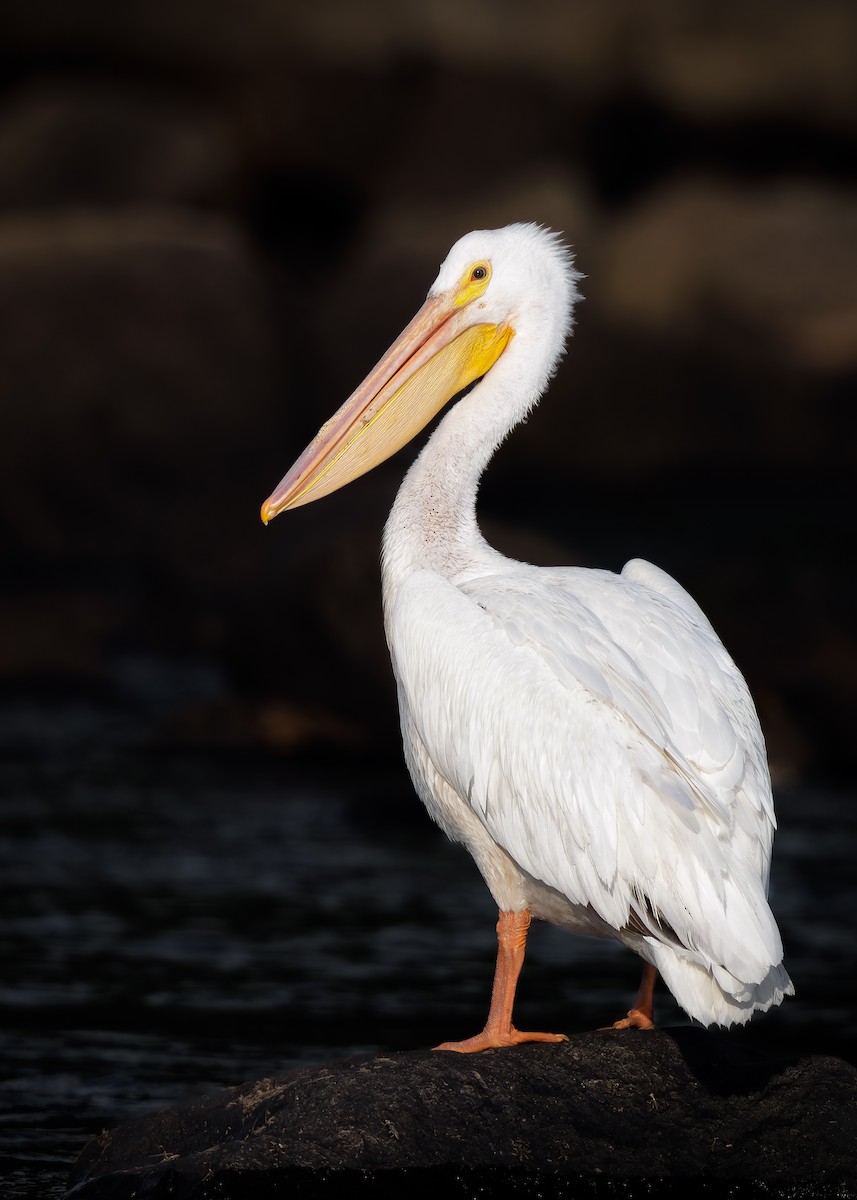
473, 283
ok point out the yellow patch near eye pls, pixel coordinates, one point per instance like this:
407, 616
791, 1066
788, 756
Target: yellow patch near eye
474, 281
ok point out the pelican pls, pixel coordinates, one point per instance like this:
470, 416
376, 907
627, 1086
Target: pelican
584, 734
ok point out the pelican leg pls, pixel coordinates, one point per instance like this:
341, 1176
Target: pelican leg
499, 1031
642, 1015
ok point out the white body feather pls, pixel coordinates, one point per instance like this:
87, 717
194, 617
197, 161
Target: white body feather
584, 734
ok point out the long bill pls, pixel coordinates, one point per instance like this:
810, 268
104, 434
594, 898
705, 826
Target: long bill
438, 355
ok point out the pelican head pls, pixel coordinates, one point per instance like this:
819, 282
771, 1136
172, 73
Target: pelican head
495, 288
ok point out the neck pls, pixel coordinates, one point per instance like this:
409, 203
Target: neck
433, 520
432, 524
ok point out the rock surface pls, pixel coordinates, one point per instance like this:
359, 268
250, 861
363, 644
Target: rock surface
675, 1103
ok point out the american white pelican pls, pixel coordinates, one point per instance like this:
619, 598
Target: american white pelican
584, 734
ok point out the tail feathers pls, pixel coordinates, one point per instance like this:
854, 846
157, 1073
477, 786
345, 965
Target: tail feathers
713, 996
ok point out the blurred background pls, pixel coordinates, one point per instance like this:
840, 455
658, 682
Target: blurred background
214, 217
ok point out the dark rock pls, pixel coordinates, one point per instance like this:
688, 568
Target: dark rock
675, 1103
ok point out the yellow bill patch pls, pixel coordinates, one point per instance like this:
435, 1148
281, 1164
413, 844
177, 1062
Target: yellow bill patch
399, 412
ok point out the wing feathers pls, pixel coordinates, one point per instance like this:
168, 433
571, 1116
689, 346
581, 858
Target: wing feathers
598, 728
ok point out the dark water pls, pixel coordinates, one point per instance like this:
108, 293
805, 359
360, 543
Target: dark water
174, 924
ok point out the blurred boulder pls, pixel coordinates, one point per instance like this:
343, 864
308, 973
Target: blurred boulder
768, 272
142, 383
78, 142
136, 345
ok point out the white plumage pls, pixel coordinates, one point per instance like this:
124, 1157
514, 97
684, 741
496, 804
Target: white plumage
584, 734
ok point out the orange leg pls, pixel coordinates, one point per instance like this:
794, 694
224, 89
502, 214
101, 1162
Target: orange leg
642, 1015
499, 1031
